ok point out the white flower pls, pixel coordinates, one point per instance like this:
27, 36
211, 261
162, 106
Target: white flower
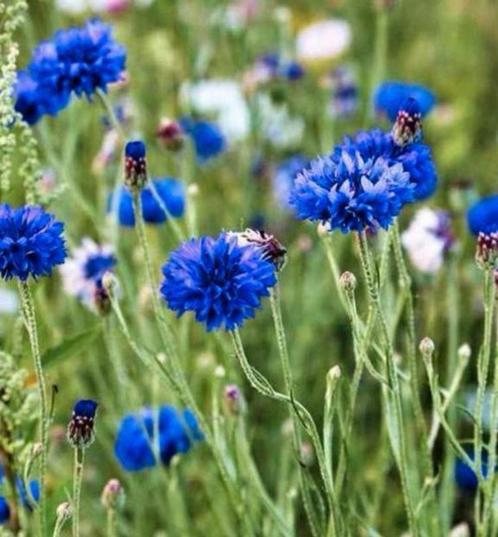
82, 273
427, 239
277, 125
323, 40
9, 303
224, 100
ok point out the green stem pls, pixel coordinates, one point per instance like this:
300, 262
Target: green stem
392, 394
289, 387
30, 323
79, 457
111, 523
263, 386
482, 378
489, 511
110, 111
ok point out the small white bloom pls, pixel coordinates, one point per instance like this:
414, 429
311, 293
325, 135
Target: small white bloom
82, 273
323, 40
281, 129
222, 99
427, 239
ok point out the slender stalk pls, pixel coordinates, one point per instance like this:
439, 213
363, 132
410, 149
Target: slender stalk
111, 523
447, 491
28, 310
79, 458
263, 386
392, 395
110, 111
489, 511
482, 378
289, 387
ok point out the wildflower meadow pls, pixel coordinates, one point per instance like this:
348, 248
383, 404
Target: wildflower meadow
248, 268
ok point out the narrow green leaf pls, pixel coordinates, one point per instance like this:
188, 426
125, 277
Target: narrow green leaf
70, 346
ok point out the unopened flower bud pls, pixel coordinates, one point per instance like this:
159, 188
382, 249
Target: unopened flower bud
112, 495
170, 134
135, 163
219, 372
348, 281
37, 449
427, 347
307, 455
64, 512
408, 126
464, 352
101, 299
193, 190
80, 431
233, 400
487, 250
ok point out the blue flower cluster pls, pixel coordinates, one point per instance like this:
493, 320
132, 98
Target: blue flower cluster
136, 447
390, 97
276, 66
364, 183
482, 217
207, 138
217, 279
76, 60
31, 242
169, 191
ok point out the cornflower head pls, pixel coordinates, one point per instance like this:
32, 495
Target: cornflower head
207, 138
76, 61
80, 430
135, 165
390, 97
31, 242
136, 446
364, 183
162, 193
482, 217
82, 273
218, 279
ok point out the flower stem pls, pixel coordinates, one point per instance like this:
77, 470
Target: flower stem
28, 310
392, 394
482, 378
289, 387
79, 457
111, 523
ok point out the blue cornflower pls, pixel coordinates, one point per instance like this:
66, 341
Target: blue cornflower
80, 430
465, 477
482, 217
390, 97
76, 60
136, 446
364, 183
82, 273
170, 191
292, 71
207, 138
4, 510
31, 242
284, 177
221, 282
